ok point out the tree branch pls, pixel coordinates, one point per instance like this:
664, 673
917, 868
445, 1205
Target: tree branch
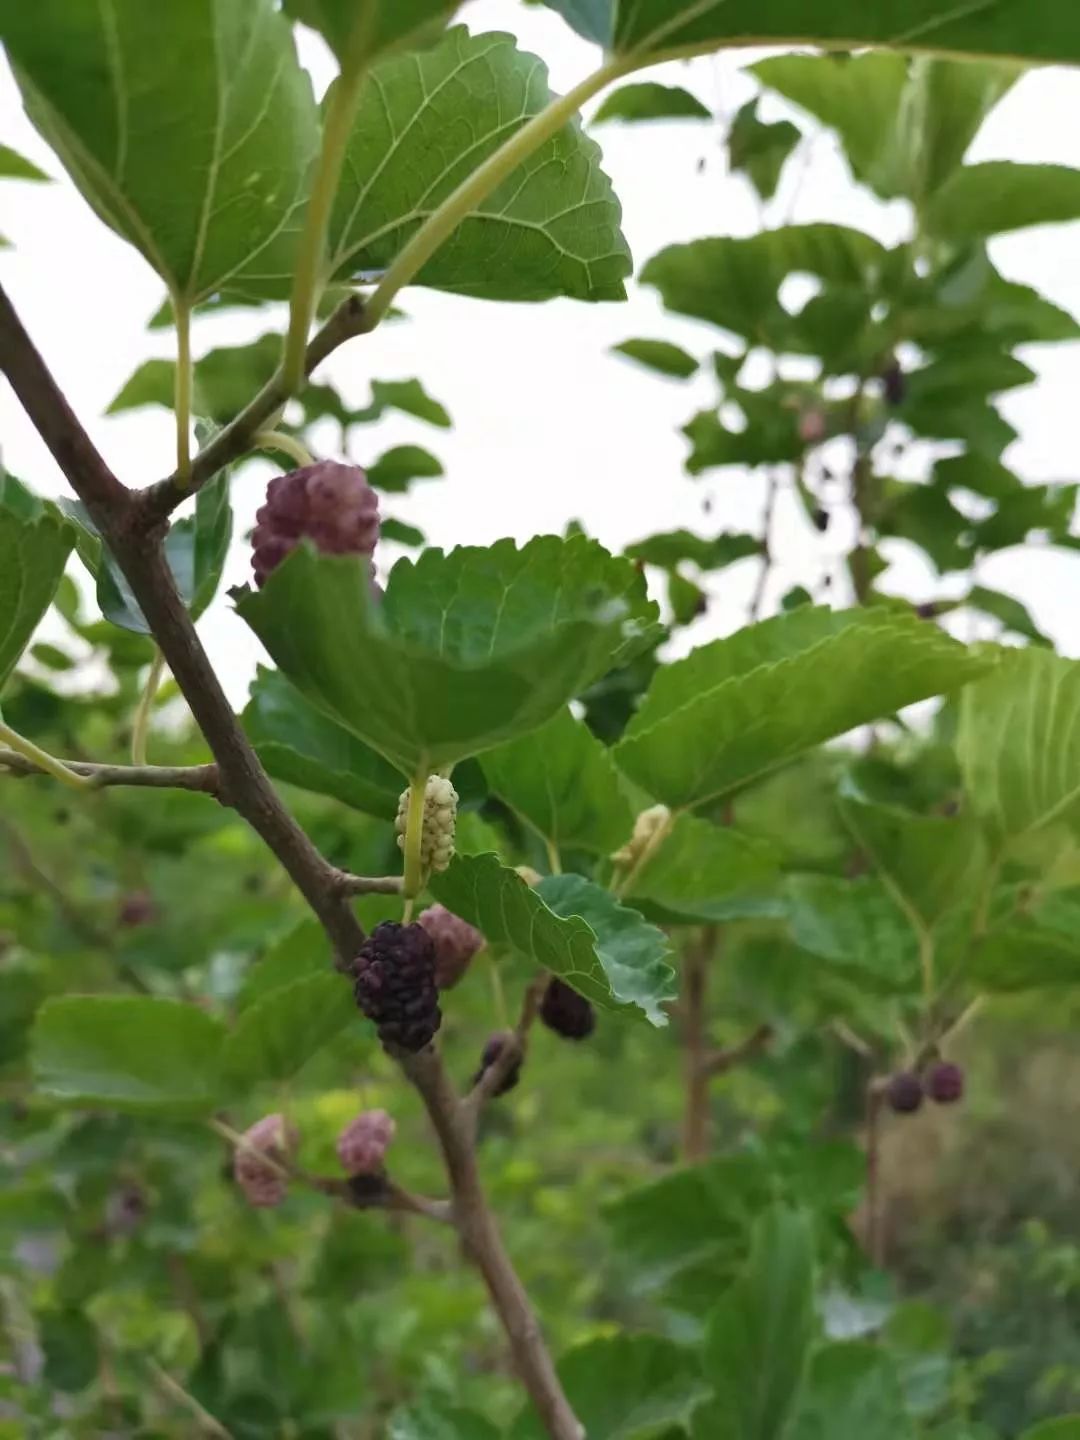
484, 1247
721, 1061
347, 884
202, 778
156, 503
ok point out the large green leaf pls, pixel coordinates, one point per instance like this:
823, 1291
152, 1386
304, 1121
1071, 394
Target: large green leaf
1031, 951
434, 1420
703, 871
189, 128
302, 746
628, 1387
278, 1033
759, 1336
735, 709
128, 1053
657, 29
852, 1393
999, 195
424, 124
649, 101
569, 926
467, 649
1064, 1427
930, 864
33, 552
1019, 742
857, 927
904, 125
302, 951
735, 283
14, 166
562, 780
387, 24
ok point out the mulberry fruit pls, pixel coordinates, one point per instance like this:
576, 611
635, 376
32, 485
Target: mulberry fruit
945, 1083
395, 985
330, 504
440, 822
904, 1092
264, 1185
363, 1144
646, 826
894, 383
138, 908
566, 1012
492, 1051
456, 942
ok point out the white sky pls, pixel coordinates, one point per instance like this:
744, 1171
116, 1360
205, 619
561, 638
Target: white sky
548, 425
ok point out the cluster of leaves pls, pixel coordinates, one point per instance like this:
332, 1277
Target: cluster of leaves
161, 990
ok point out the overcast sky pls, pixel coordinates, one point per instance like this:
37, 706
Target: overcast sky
548, 425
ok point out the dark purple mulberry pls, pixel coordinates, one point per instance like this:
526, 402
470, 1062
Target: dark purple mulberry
395, 985
456, 942
492, 1051
330, 504
566, 1012
945, 1083
904, 1092
894, 383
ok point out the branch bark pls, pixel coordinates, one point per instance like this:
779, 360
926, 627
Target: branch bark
201, 778
480, 1237
719, 1062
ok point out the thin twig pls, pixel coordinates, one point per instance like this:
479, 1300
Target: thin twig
719, 1062
768, 514
203, 778
347, 884
157, 502
170, 1386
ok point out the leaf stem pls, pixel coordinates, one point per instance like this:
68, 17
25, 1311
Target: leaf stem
287, 444
414, 834
475, 188
310, 275
554, 858
141, 728
42, 759
182, 405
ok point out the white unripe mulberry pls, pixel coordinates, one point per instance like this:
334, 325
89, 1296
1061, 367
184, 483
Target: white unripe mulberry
440, 823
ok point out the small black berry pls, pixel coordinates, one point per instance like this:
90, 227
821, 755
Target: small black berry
894, 383
945, 1083
492, 1051
820, 518
566, 1012
395, 985
904, 1092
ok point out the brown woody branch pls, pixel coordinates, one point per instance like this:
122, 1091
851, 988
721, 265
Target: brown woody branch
201, 778
157, 502
719, 1062
133, 527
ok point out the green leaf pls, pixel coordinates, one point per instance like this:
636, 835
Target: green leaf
733, 710
658, 29
562, 780
299, 953
858, 928
398, 24
33, 553
735, 283
602, 949
400, 533
759, 1336
928, 863
659, 355
398, 467
1064, 1427
674, 546
713, 443
1019, 742
760, 149
300, 745
279, 1032
1025, 955
649, 101
1008, 610
14, 166
852, 1393
628, 1387
1000, 195
427, 121
189, 128
195, 547
467, 649
435, 1420
72, 1350
128, 1052
701, 870
407, 396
